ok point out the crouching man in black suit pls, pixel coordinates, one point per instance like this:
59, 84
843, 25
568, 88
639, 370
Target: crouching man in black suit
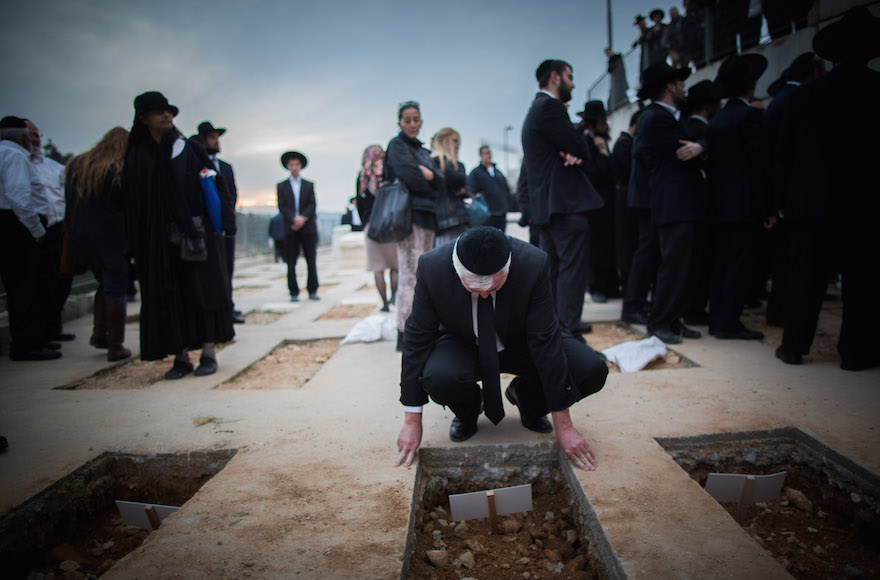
483, 305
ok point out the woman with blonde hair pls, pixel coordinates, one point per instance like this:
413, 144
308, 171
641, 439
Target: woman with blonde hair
96, 229
380, 257
452, 218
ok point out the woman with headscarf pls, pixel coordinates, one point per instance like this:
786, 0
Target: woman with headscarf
452, 217
184, 304
96, 230
380, 257
408, 161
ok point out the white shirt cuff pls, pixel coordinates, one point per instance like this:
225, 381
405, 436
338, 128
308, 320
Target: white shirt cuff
412, 409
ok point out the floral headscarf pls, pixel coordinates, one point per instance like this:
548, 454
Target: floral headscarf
369, 178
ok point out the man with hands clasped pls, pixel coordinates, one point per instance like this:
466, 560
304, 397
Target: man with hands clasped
483, 305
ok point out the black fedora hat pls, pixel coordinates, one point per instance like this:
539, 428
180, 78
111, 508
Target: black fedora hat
638, 18
152, 101
207, 127
593, 110
293, 155
702, 92
855, 37
657, 75
738, 72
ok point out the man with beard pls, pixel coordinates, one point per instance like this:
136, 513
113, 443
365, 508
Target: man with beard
666, 163
210, 138
560, 195
594, 127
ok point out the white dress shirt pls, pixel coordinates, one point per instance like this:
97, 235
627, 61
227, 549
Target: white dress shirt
16, 175
50, 174
295, 185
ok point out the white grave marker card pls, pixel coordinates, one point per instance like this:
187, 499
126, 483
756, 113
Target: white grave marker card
729, 486
508, 500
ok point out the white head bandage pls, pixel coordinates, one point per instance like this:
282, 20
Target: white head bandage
476, 281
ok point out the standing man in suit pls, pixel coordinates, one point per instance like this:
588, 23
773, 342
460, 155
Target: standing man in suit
210, 138
737, 187
297, 204
487, 179
626, 219
668, 168
483, 305
560, 195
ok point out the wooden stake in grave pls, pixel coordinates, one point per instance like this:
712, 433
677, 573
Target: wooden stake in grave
746, 499
493, 519
491, 504
152, 517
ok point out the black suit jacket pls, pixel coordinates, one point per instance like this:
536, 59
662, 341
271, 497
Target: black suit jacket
494, 189
553, 188
524, 313
737, 179
676, 189
228, 179
307, 206
621, 159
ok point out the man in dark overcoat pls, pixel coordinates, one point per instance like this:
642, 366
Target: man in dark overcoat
560, 195
296, 202
482, 306
738, 193
488, 180
626, 219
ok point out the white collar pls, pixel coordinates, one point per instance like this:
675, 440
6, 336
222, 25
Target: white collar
548, 93
700, 118
675, 112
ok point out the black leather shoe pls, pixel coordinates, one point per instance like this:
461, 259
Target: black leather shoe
685, 331
666, 335
635, 318
178, 370
741, 334
207, 366
585, 328
294, 298
460, 431
36, 354
789, 358
599, 297
237, 318
536, 424
64, 337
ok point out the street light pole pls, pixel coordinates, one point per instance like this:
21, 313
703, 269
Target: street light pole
506, 164
608, 11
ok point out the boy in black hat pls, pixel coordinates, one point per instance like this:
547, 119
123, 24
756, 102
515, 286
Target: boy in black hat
297, 204
483, 305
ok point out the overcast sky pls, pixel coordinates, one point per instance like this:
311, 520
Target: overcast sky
323, 77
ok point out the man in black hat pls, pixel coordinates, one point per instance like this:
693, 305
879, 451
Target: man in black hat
483, 305
209, 137
296, 202
666, 179
560, 195
829, 202
738, 193
604, 282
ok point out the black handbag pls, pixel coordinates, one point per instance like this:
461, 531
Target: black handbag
391, 218
192, 249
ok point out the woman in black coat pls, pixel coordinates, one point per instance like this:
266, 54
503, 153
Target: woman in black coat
452, 217
96, 229
184, 304
408, 161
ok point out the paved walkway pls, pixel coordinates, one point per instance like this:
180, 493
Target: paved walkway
312, 490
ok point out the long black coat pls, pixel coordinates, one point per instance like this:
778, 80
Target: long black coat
737, 165
97, 231
308, 207
402, 159
553, 188
183, 304
676, 189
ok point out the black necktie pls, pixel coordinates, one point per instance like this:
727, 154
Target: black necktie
489, 360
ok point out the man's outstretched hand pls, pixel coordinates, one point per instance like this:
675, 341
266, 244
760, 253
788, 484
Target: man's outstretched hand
409, 439
572, 442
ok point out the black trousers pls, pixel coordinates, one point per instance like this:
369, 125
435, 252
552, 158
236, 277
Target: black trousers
734, 251
567, 241
603, 255
230, 263
701, 273
780, 269
809, 256
27, 284
453, 369
643, 271
59, 284
309, 244
676, 242
626, 235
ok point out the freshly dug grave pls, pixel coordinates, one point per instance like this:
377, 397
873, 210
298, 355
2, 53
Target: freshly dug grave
133, 373
288, 366
608, 334
345, 312
817, 528
543, 543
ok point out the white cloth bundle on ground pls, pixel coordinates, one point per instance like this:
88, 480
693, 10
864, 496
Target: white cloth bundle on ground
372, 328
635, 355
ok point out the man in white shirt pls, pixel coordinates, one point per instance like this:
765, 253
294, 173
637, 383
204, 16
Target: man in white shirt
50, 189
297, 204
22, 232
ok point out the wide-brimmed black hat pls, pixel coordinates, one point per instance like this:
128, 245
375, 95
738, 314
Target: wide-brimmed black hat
701, 93
207, 127
483, 250
657, 75
638, 18
593, 110
152, 101
293, 155
855, 37
740, 71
